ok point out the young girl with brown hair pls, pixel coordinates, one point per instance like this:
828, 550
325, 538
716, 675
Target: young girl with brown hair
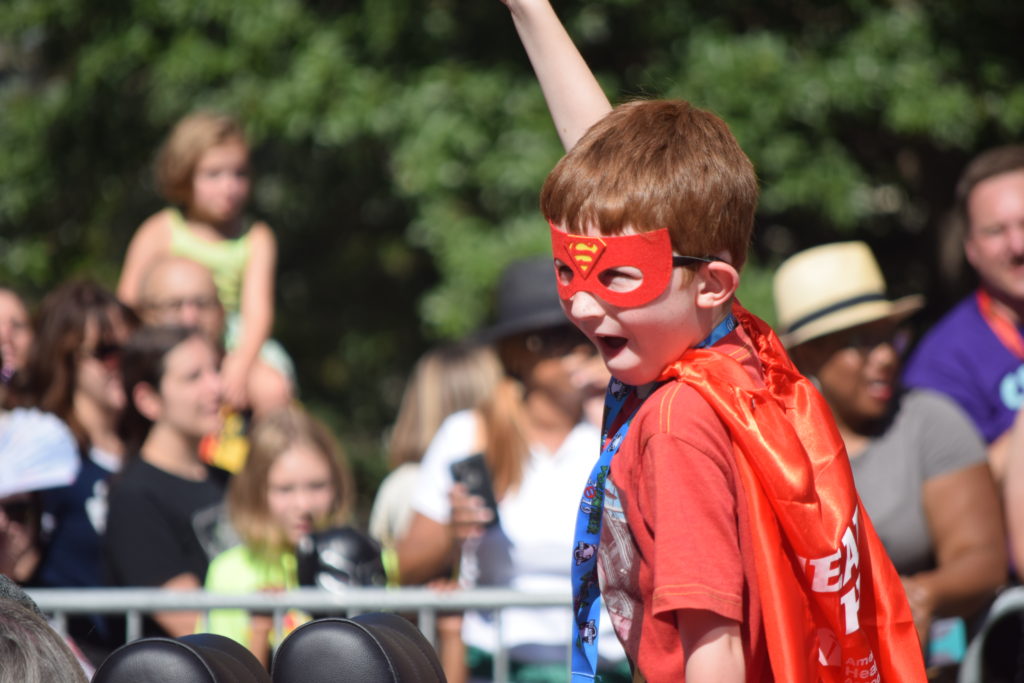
296, 481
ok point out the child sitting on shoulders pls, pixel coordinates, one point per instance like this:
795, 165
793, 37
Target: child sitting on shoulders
203, 170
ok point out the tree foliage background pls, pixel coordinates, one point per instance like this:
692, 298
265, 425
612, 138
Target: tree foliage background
399, 145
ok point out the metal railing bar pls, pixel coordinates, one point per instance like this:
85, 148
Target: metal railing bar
133, 625
427, 621
278, 622
501, 664
121, 600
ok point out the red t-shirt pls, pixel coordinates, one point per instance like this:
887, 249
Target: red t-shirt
676, 532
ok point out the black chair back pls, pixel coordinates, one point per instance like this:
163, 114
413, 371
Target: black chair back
198, 658
371, 648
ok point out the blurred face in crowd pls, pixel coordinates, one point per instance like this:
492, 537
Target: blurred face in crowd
189, 395
178, 291
220, 183
552, 362
995, 238
856, 369
98, 378
15, 331
300, 495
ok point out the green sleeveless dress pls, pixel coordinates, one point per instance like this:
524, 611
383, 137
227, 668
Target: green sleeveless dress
226, 261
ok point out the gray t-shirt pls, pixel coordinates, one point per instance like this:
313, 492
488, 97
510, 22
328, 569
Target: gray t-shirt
929, 436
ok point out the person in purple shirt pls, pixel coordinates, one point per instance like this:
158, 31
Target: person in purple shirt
975, 354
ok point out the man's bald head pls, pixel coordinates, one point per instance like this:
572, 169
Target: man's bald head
179, 291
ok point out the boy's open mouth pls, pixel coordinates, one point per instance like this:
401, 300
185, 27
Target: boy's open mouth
611, 344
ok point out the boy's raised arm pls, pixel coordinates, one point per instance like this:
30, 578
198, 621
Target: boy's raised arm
574, 96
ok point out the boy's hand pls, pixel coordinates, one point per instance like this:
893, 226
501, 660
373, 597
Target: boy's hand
470, 514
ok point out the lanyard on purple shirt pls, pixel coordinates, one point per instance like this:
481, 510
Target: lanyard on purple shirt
586, 592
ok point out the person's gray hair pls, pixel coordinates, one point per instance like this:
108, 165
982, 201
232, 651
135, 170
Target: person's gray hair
30, 650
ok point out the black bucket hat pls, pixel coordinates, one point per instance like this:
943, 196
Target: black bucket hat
527, 300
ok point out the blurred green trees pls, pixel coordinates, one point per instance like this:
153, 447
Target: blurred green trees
400, 145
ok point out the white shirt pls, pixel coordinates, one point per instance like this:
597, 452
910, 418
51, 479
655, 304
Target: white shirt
531, 549
392, 506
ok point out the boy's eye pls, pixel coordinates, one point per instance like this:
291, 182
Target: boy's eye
563, 273
622, 279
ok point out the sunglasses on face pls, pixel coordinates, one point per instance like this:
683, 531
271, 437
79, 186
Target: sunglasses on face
866, 340
556, 341
107, 353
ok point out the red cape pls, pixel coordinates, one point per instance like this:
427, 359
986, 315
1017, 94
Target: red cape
834, 607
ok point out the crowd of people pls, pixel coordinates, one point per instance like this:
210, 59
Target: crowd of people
175, 454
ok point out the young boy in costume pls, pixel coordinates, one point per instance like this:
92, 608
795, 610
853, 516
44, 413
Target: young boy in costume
721, 515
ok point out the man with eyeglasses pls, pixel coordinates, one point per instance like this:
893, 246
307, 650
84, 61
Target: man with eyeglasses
179, 291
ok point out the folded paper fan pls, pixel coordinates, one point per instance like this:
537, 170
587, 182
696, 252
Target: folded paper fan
37, 451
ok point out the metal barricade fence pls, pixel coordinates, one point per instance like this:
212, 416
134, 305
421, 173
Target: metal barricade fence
133, 603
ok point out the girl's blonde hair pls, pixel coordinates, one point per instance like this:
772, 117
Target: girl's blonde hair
272, 436
189, 139
445, 380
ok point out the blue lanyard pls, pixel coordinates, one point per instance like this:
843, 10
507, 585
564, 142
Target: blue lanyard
586, 592
720, 330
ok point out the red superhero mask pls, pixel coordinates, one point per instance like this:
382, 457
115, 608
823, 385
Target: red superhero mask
588, 258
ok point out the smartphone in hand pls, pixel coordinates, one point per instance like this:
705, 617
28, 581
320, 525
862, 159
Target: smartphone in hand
472, 472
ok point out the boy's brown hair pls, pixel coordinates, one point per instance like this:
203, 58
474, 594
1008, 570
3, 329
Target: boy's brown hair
178, 156
657, 164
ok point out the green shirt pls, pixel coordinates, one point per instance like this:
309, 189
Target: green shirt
225, 259
239, 570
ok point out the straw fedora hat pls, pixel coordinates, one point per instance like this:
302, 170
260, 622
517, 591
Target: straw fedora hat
833, 287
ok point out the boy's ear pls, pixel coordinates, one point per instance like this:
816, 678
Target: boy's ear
146, 400
718, 283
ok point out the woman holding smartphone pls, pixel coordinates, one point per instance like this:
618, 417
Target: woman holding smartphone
518, 450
